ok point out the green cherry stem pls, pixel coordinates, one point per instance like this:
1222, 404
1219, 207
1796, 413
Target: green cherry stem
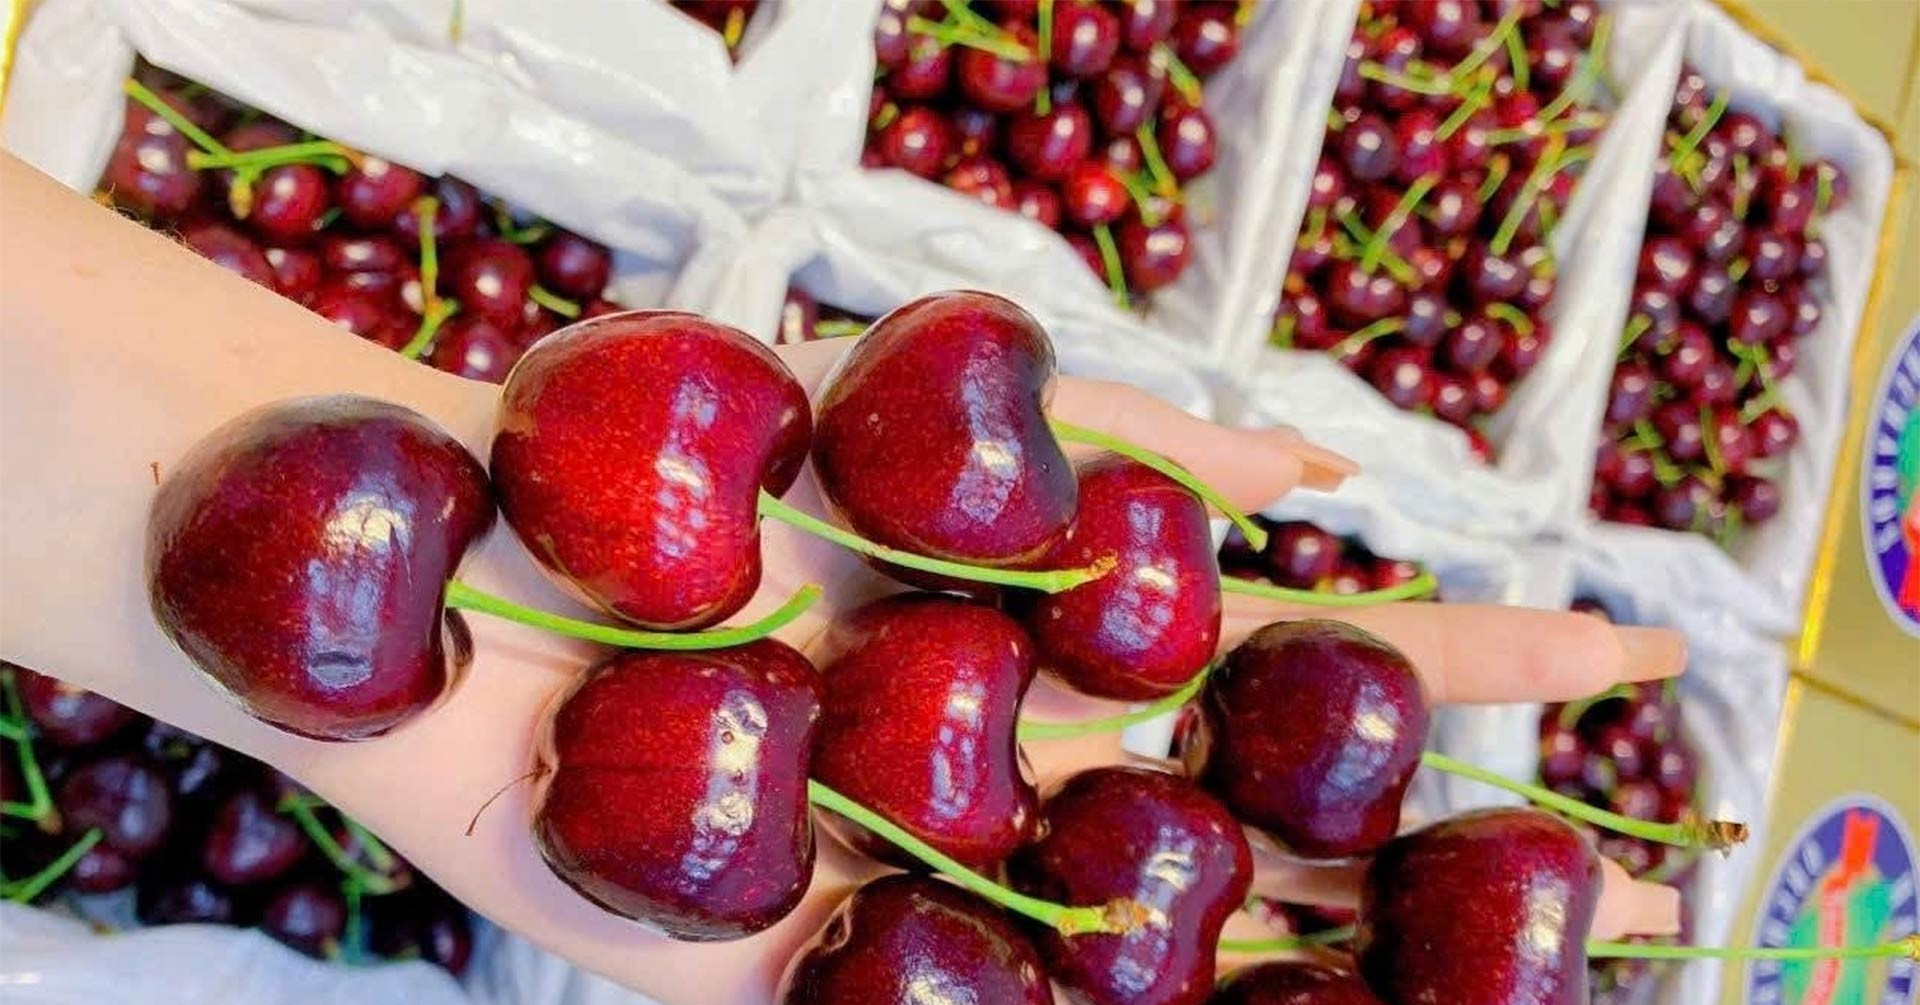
1690, 832
1141, 195
1436, 86
353, 937
839, 328
1514, 317
1049, 581
435, 311
554, 302
1475, 100
1256, 535
26, 888
1370, 331
950, 33
460, 596
1486, 47
1043, 98
39, 805
158, 106
1178, 74
1636, 327
1396, 218
1032, 730
324, 153
1118, 917
1419, 586
301, 809
1590, 69
1289, 943
1684, 149
1907, 948
1110, 262
12, 731
1529, 193
1517, 61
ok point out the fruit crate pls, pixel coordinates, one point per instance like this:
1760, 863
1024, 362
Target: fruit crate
1766, 569
918, 222
1528, 487
516, 102
1732, 698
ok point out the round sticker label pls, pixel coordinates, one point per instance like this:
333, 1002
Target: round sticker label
1846, 880
1890, 485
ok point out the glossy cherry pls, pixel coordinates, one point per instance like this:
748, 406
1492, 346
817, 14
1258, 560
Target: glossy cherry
912, 940
932, 434
299, 556
249, 842
919, 141
1311, 731
1156, 839
1153, 256
573, 266
922, 696
489, 278
1002, 84
630, 452
230, 249
125, 797
374, 191
1490, 906
677, 792
473, 347
1148, 627
309, 917
67, 715
1085, 37
1046, 146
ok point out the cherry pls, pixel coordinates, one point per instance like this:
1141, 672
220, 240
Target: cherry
902, 937
1085, 37
1205, 38
1451, 209
1037, 202
714, 416
490, 279
1452, 400
322, 632
101, 869
1490, 906
1731, 439
924, 74
1311, 731
1489, 392
1470, 148
1490, 277
1187, 140
1713, 231
1300, 555
248, 842
169, 898
1666, 262
1710, 298
1631, 397
1445, 27
1092, 195
1563, 755
1474, 345
1121, 153
457, 219
1358, 297
1774, 431
70, 716
573, 266
1404, 376
231, 250
1000, 84
1675, 769
1678, 424
296, 273
1422, 152
1369, 149
1661, 310
1636, 798
362, 253
125, 797
1294, 983
918, 141
1126, 96
1143, 23
370, 314
309, 917
147, 171
1686, 359
1155, 839
1684, 505
373, 192
1758, 317
1146, 629
922, 696
958, 382
288, 203
1153, 256
677, 794
1047, 146
1757, 499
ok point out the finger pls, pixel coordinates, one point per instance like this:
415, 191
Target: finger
1630, 907
1250, 467
1281, 877
1481, 654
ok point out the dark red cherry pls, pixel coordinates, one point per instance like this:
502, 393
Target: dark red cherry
250, 842
918, 141
1295, 983
1085, 37
1047, 147
489, 278
1002, 84
1038, 202
1631, 397
1710, 298
231, 250
456, 219
1144, 23
924, 74
982, 178
125, 797
1127, 96
473, 347
1153, 256
1678, 423
1300, 555
374, 315
1187, 141
1358, 297
1667, 262
1758, 317
297, 273
573, 266
169, 898
309, 917
1684, 505
1446, 27
1474, 344
1774, 432
1404, 376
1369, 149
147, 171
373, 192
67, 715
1205, 38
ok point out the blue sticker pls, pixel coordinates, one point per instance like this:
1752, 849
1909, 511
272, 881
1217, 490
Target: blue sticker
1845, 880
1890, 486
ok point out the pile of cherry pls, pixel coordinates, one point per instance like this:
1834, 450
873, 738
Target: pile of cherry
1084, 116
680, 776
1731, 277
1624, 750
339, 232
1457, 133
98, 799
1304, 557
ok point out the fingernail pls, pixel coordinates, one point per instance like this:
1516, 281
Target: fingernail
1323, 469
1652, 653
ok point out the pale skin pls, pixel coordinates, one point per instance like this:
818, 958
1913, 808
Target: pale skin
121, 350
